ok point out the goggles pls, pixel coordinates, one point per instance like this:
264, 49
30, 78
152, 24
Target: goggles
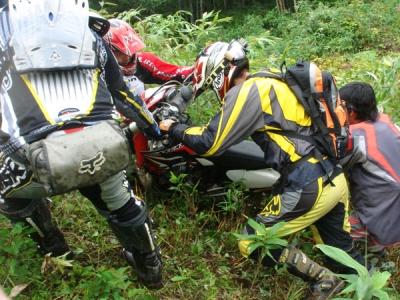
238, 49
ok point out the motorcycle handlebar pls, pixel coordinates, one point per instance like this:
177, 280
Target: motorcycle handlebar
173, 109
182, 99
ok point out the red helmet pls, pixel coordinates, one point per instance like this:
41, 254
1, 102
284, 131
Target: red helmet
123, 38
218, 65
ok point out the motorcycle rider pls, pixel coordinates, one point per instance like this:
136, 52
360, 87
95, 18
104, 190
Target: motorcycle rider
249, 107
373, 169
140, 68
43, 95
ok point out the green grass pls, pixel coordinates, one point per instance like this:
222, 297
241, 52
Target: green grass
200, 257
199, 249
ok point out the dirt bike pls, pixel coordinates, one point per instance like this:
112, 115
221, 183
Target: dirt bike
156, 159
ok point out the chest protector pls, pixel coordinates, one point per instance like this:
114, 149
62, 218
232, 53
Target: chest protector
51, 35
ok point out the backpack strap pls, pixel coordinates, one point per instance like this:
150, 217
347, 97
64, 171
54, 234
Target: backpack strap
328, 79
307, 99
316, 153
322, 140
326, 140
268, 73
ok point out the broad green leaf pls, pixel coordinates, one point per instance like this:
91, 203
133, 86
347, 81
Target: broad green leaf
382, 295
379, 280
342, 257
62, 262
253, 246
179, 278
349, 277
259, 227
276, 241
350, 288
249, 237
274, 229
364, 288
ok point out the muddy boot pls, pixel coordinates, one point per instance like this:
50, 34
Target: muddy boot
36, 215
140, 249
378, 251
322, 285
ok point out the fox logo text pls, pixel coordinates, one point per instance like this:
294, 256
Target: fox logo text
92, 164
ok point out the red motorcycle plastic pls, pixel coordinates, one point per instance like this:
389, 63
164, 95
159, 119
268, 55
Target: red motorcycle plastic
156, 159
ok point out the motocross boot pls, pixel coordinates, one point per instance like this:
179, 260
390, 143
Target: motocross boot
140, 249
378, 251
322, 285
36, 215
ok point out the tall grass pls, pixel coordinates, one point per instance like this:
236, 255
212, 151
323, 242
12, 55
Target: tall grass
199, 249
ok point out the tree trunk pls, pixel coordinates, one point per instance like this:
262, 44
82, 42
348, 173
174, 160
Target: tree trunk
295, 6
191, 11
281, 5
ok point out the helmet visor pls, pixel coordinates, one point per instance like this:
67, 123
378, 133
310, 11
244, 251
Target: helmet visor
237, 50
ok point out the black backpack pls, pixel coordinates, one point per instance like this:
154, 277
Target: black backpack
317, 92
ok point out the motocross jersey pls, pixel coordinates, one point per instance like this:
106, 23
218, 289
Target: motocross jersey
373, 171
152, 70
134, 84
37, 103
253, 109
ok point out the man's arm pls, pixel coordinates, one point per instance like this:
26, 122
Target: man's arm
128, 104
240, 116
152, 70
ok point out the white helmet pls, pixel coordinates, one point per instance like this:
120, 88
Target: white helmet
51, 34
218, 65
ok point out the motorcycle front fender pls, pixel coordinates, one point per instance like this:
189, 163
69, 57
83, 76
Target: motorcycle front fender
254, 179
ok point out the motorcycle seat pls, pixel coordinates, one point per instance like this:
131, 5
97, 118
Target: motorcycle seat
245, 155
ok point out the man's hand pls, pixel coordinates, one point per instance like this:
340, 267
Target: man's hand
166, 124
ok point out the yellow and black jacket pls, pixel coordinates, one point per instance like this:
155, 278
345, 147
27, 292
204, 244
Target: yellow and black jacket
36, 103
257, 108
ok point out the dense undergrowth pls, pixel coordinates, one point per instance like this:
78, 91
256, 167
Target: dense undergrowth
356, 40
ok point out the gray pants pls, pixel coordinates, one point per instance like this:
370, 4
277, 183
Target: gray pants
16, 182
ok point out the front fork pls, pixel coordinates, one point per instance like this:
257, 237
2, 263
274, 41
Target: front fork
140, 143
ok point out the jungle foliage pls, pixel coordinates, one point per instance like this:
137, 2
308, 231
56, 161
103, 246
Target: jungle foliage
354, 39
